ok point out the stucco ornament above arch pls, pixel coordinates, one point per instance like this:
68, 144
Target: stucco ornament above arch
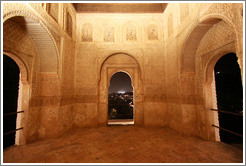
212, 62
105, 59
130, 31
43, 39
192, 40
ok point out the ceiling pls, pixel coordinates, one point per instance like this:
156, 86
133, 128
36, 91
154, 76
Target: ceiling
120, 7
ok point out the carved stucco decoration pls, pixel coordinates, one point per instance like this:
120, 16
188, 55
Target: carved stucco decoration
53, 9
109, 34
69, 24
87, 32
222, 8
131, 33
42, 27
152, 32
220, 35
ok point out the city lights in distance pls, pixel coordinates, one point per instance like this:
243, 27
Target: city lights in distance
121, 92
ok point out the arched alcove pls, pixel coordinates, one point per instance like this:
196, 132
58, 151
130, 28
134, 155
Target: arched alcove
210, 90
208, 38
195, 35
30, 44
113, 64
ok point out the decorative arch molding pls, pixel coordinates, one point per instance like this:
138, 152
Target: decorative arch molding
54, 46
208, 74
24, 70
68, 11
103, 60
18, 13
197, 30
209, 90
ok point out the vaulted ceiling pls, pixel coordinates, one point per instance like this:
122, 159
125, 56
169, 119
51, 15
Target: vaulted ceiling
120, 7
44, 44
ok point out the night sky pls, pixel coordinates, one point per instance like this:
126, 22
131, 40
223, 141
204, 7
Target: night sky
120, 82
228, 83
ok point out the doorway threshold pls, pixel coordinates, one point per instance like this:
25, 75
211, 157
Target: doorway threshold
120, 122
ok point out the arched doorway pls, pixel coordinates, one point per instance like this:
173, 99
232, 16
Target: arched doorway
37, 56
11, 77
198, 55
109, 66
120, 100
229, 92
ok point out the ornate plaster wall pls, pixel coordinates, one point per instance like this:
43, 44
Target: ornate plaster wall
47, 113
169, 56
138, 35
202, 32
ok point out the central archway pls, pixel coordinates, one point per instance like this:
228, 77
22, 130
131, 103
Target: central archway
120, 100
111, 65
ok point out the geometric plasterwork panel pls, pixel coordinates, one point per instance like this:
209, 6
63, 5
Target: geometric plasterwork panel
108, 34
53, 9
152, 31
131, 33
87, 32
69, 24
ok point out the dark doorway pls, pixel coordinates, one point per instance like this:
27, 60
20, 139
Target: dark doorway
120, 98
229, 92
11, 74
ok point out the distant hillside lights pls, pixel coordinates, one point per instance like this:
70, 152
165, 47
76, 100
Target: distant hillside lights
120, 105
121, 92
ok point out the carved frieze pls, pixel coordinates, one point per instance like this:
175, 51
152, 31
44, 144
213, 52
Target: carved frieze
131, 33
53, 9
152, 32
87, 32
109, 34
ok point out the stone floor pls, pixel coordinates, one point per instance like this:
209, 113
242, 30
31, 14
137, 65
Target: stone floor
123, 144
121, 122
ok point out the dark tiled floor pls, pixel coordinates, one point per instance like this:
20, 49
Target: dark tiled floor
124, 144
